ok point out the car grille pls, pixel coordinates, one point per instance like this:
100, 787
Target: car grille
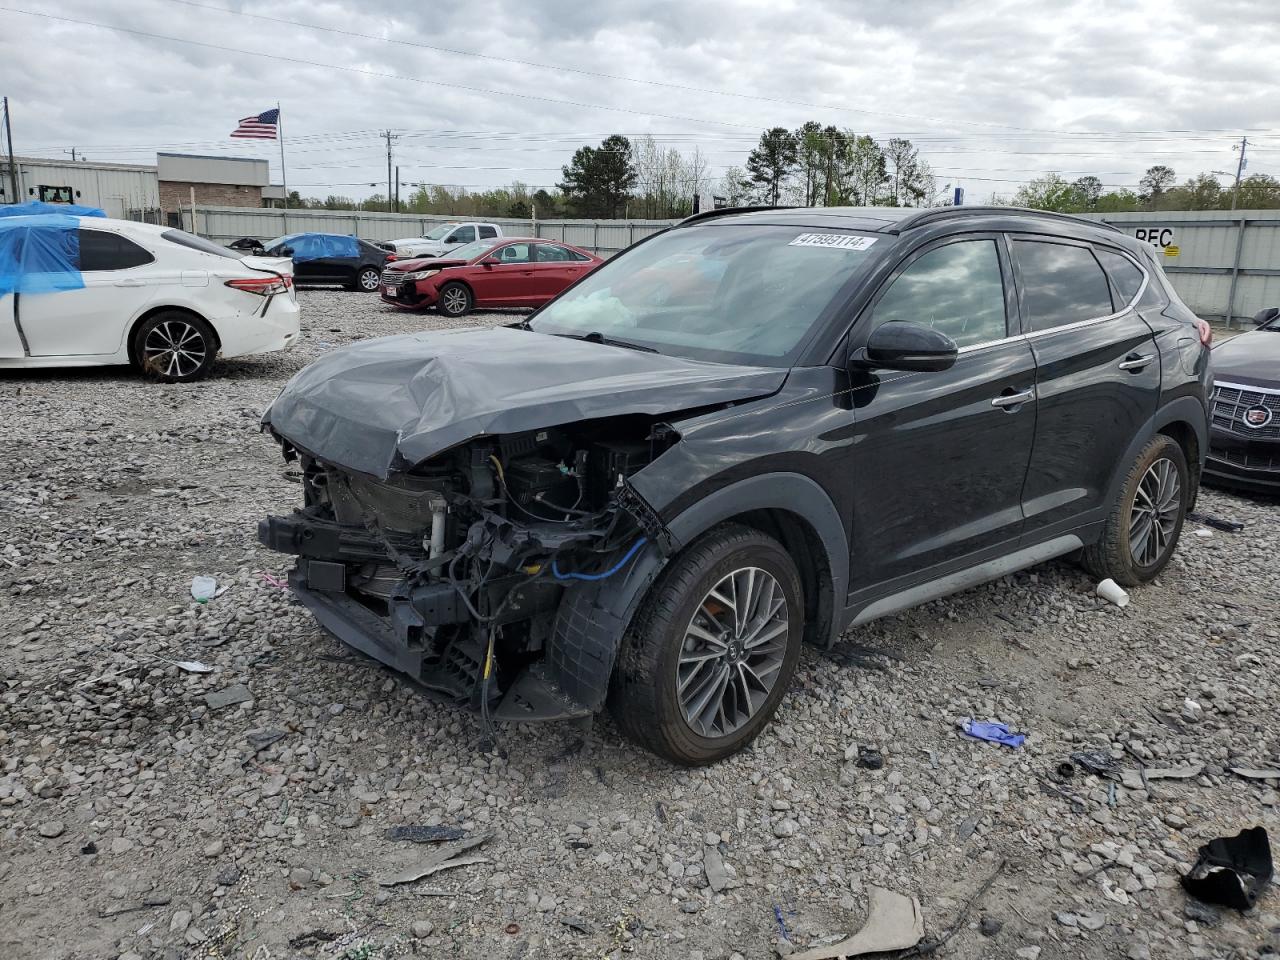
1230, 402
392, 278
1246, 460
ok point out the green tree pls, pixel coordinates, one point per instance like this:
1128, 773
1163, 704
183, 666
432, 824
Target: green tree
597, 179
1154, 183
772, 161
812, 151
910, 180
1049, 192
545, 205
866, 172
1257, 192
1089, 189
1117, 201
519, 210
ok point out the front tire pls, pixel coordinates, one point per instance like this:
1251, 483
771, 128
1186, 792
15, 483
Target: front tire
1142, 530
713, 648
368, 279
175, 347
455, 300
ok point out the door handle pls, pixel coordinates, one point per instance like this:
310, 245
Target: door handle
130, 282
1136, 361
1007, 401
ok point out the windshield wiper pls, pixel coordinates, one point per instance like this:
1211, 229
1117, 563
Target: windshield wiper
595, 336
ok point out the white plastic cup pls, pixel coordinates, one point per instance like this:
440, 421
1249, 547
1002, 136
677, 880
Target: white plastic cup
1112, 592
203, 589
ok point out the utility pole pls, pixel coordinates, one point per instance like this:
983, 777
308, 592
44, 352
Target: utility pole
72, 151
389, 138
1240, 165
397, 188
13, 166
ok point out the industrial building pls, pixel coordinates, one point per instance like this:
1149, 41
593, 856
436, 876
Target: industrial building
158, 193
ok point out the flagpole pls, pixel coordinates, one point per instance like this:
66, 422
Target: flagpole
284, 177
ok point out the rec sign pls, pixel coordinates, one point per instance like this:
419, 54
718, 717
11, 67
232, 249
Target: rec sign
1161, 237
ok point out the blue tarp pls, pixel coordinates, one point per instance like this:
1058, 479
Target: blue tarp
317, 246
40, 254
34, 207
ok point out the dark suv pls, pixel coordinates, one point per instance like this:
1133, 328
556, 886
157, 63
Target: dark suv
756, 428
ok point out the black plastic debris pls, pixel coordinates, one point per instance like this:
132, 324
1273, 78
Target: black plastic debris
1098, 763
420, 834
1065, 770
869, 758
261, 739
1232, 871
1209, 520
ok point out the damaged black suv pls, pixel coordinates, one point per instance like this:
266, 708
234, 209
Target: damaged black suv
757, 428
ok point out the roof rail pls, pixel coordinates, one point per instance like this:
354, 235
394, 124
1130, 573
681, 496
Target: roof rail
934, 214
725, 211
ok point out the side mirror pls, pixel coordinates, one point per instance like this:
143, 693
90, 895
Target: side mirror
453, 240
1266, 316
909, 346
489, 262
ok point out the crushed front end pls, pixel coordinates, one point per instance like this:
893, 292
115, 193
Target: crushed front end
472, 573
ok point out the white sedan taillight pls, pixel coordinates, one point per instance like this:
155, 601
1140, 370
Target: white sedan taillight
263, 286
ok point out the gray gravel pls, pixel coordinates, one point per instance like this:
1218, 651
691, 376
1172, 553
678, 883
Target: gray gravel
144, 815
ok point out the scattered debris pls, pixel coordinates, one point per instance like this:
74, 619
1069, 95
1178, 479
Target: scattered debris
420, 834
1098, 763
869, 758
578, 924
894, 922
446, 858
261, 739
1209, 520
190, 666
1202, 532
277, 582
89, 849
1232, 871
1136, 779
1112, 592
990, 926
511, 929
992, 731
781, 922
204, 589
1065, 770
1256, 773
228, 697
313, 938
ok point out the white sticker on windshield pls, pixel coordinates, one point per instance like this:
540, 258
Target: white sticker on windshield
840, 241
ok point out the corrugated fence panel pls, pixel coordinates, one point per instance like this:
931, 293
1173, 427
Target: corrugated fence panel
225, 224
1218, 270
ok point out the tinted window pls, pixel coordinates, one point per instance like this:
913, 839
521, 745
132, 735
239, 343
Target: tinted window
955, 288
184, 239
488, 232
513, 253
110, 251
556, 253
1124, 274
463, 235
1061, 284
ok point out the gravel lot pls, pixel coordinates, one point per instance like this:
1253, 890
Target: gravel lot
138, 821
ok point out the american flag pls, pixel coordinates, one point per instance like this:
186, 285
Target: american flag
261, 127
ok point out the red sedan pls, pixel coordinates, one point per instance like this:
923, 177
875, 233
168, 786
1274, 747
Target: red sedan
502, 272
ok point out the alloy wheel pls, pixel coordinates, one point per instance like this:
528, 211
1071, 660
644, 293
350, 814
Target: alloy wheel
455, 300
174, 349
1154, 515
369, 280
732, 652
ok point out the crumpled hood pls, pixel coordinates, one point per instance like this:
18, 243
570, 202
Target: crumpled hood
423, 263
390, 403
1252, 358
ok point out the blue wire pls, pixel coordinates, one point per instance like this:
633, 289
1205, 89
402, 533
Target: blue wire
555, 570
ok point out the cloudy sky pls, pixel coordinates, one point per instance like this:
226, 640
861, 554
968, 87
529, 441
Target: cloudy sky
995, 93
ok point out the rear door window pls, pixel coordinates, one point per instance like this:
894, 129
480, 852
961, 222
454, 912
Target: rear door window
1124, 274
100, 250
956, 289
486, 232
1061, 284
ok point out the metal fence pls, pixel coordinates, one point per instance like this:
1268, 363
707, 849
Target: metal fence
224, 224
1225, 264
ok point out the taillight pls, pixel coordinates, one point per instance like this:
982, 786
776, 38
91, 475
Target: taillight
390, 257
1206, 331
263, 286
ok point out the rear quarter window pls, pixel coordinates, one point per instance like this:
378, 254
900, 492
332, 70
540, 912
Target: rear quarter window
1124, 274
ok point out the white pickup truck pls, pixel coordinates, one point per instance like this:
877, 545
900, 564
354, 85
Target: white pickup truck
437, 241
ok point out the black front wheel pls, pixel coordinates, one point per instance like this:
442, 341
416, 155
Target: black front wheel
713, 648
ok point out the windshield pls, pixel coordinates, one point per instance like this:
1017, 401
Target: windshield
280, 241
741, 293
438, 233
469, 251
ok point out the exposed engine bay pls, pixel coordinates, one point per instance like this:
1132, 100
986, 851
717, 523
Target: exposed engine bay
454, 572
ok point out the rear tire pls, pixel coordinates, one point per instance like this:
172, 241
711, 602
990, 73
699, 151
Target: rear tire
367, 280
712, 649
174, 347
1143, 527
455, 300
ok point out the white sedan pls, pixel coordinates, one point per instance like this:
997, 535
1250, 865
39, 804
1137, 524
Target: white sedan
90, 291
